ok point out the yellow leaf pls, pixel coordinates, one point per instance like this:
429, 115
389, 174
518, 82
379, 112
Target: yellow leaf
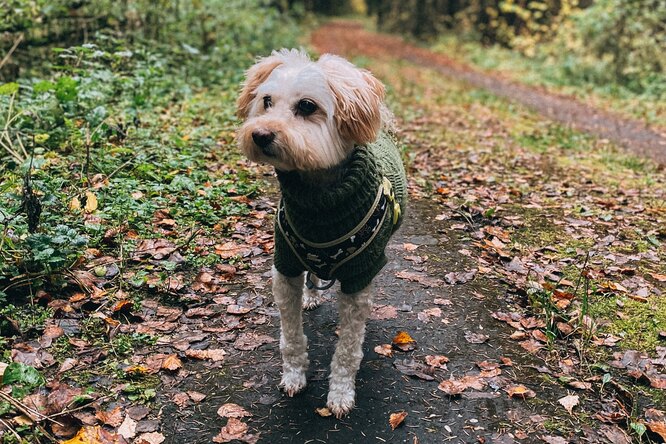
75, 204
91, 202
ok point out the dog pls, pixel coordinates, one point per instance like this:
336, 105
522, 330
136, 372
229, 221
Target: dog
325, 128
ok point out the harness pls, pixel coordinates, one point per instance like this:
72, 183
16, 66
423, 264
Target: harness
324, 258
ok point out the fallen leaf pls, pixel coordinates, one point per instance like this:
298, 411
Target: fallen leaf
438, 361
111, 418
519, 391
215, 355
323, 412
252, 341
128, 428
452, 387
384, 350
396, 419
231, 410
172, 363
421, 278
460, 277
404, 341
196, 396
383, 312
91, 202
569, 402
95, 435
181, 399
150, 438
410, 367
658, 428
551, 439
476, 338
235, 429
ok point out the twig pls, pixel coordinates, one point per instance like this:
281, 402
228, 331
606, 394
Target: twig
76, 409
25, 409
14, 432
11, 50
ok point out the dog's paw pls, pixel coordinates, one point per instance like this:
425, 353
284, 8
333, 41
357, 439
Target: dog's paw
340, 402
293, 382
312, 300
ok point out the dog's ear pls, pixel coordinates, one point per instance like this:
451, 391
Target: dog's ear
358, 96
254, 77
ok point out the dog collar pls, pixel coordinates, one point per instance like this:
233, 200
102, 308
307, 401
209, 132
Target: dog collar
324, 258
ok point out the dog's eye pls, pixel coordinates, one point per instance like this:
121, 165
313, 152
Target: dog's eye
268, 102
306, 107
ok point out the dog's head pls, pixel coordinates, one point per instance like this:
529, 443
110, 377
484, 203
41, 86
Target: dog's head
305, 115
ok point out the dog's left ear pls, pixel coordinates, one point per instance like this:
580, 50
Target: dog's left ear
358, 99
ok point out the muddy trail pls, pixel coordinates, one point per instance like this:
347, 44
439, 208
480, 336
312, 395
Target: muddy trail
445, 320
350, 39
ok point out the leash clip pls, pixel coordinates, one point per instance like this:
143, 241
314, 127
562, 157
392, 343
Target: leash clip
310, 285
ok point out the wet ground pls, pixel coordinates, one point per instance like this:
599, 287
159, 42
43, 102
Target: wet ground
489, 415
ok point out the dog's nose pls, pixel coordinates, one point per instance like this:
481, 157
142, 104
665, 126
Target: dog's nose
263, 138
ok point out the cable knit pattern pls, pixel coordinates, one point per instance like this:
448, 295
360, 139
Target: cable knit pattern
322, 215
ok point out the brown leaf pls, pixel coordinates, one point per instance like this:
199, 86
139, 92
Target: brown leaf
383, 312
181, 399
95, 435
531, 345
215, 355
658, 428
519, 391
235, 429
411, 367
252, 341
384, 350
324, 412
425, 315
231, 410
438, 361
196, 396
460, 277
396, 419
150, 438
172, 363
421, 278
476, 338
111, 418
452, 387
569, 402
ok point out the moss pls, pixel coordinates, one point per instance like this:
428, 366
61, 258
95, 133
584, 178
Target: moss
640, 323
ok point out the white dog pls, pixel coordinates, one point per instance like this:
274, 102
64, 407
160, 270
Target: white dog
325, 129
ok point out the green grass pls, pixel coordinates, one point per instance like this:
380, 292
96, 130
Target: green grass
562, 74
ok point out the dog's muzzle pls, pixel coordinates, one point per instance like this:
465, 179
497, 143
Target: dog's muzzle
264, 140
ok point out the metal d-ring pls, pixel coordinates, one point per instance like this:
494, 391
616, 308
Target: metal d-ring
310, 285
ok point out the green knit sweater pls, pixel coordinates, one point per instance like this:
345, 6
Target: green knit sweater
324, 215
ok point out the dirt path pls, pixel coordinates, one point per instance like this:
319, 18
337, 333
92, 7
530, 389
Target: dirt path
349, 38
470, 144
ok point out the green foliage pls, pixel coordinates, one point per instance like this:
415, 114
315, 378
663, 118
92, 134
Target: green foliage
23, 379
98, 118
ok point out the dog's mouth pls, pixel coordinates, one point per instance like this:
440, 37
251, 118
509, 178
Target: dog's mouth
268, 150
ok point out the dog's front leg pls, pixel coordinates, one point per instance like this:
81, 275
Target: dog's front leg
288, 295
354, 310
